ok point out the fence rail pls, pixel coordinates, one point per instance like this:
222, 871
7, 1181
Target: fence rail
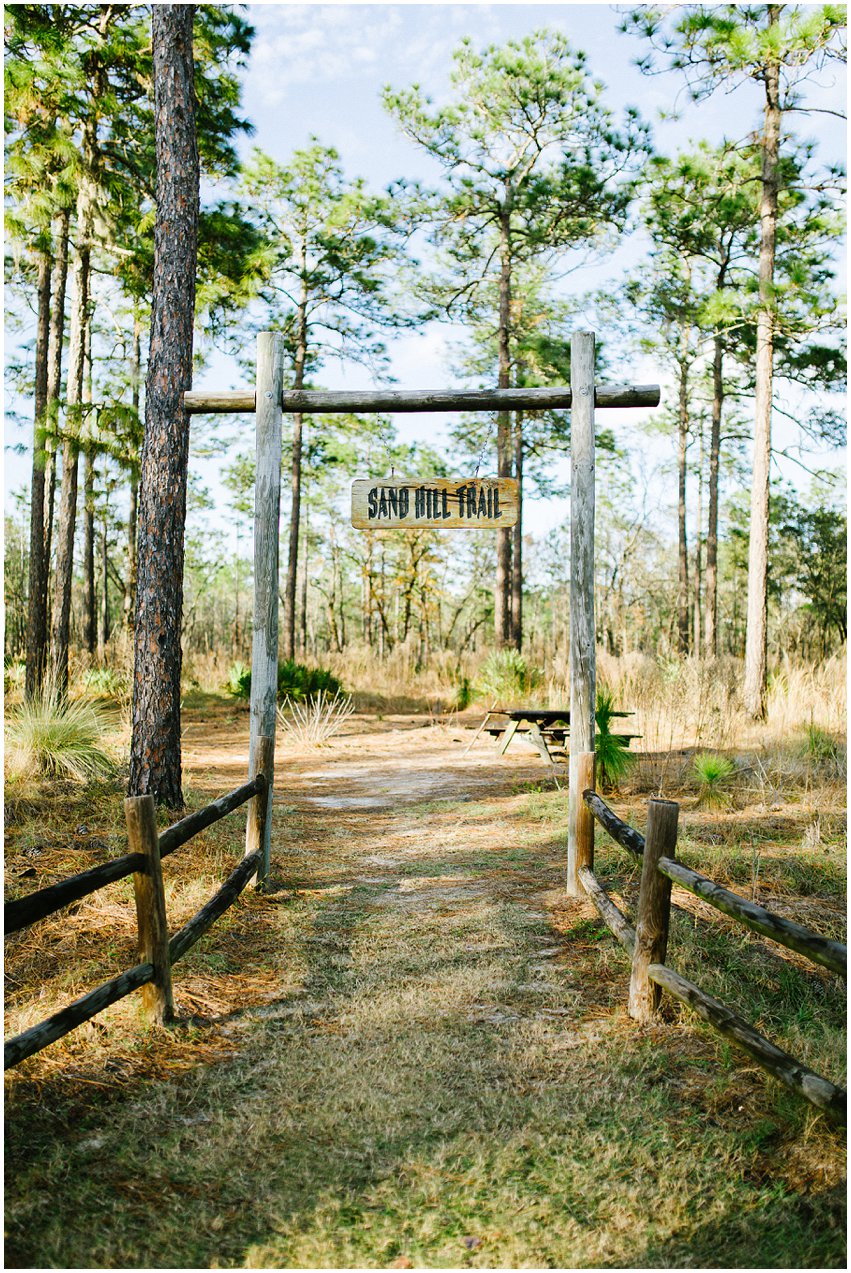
158, 952
647, 944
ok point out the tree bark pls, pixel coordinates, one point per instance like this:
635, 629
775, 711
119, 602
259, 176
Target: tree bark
682, 534
710, 643
698, 550
502, 596
89, 591
757, 620
288, 640
132, 516
70, 443
54, 380
155, 757
517, 545
38, 565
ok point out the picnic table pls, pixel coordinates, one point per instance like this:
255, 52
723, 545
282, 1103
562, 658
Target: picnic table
543, 727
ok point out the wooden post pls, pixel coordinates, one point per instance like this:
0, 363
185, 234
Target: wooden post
267, 510
583, 673
585, 780
258, 830
654, 909
157, 1001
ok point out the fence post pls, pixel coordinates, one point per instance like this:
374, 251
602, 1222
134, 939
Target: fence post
157, 1001
583, 650
257, 832
654, 909
267, 509
585, 778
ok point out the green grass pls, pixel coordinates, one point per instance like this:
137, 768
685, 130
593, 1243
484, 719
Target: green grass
52, 737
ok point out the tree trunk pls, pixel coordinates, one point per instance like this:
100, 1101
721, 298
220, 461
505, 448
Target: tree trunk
295, 479
698, 549
38, 565
711, 580
682, 535
757, 620
89, 598
132, 517
103, 633
70, 444
155, 757
54, 378
304, 582
517, 547
502, 596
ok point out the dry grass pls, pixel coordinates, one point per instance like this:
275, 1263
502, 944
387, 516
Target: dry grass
417, 1051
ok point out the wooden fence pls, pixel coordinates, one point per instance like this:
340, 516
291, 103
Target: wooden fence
157, 951
647, 943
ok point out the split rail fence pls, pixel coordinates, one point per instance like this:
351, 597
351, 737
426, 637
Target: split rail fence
647, 942
157, 951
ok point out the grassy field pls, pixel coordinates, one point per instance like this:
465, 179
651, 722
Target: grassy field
415, 1051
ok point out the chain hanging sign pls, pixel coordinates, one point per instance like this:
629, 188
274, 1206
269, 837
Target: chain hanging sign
393, 503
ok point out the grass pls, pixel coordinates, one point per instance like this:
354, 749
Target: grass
52, 737
428, 1063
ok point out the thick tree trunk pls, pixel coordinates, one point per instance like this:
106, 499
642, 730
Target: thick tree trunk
757, 621
682, 534
38, 565
710, 644
155, 757
517, 547
54, 379
502, 596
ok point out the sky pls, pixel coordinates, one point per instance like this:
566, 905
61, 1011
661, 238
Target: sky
318, 70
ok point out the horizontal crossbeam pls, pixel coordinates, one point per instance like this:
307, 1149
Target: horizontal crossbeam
314, 401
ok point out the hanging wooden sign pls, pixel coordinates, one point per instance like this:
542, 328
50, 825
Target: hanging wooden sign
471, 503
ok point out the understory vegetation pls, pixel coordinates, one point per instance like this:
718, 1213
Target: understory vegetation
416, 1048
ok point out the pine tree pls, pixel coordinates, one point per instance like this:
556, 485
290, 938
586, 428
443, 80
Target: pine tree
533, 165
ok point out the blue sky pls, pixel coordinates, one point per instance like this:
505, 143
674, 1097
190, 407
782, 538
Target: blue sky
318, 69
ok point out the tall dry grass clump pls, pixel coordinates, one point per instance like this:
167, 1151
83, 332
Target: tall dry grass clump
50, 736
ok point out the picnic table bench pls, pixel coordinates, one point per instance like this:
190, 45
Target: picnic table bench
542, 727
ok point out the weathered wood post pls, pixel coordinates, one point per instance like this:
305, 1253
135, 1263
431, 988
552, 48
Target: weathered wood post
157, 1001
583, 654
258, 831
267, 511
654, 909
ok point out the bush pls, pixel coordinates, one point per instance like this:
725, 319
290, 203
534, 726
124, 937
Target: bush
56, 738
103, 682
295, 681
614, 759
299, 682
239, 680
506, 675
713, 773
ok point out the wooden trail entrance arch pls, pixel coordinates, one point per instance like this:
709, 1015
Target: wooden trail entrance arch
270, 400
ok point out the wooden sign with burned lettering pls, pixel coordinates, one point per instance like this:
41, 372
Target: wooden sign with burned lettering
394, 503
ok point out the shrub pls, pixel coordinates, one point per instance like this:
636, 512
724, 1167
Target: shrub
313, 722
103, 682
713, 773
239, 680
506, 675
56, 738
295, 681
614, 759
